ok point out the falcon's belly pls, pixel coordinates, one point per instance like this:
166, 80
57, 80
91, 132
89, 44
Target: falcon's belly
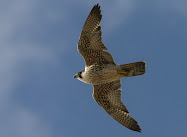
99, 74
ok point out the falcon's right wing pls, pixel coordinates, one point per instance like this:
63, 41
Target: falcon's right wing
108, 96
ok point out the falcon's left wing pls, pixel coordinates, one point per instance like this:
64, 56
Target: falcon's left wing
90, 44
108, 96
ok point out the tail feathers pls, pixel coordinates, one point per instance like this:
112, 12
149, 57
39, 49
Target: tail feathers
132, 69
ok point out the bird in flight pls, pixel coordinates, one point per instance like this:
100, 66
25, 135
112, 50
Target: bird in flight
102, 72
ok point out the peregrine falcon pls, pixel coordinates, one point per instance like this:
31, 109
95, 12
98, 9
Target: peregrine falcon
102, 72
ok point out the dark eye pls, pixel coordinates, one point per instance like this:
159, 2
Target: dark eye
79, 75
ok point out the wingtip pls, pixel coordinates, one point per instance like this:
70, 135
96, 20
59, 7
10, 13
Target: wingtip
97, 6
96, 10
137, 129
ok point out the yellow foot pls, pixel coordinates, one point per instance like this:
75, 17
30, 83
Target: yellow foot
122, 72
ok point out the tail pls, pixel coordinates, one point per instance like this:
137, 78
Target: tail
132, 69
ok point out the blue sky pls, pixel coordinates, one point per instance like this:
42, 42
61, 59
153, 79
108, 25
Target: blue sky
38, 53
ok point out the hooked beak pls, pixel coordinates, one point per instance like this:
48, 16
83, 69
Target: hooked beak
75, 76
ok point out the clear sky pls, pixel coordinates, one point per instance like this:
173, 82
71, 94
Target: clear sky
38, 57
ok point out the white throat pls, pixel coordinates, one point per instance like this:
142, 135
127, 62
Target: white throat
85, 76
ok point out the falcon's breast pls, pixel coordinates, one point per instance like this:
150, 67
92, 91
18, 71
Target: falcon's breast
100, 73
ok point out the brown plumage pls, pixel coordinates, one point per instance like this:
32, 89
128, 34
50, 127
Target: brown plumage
108, 96
90, 44
102, 72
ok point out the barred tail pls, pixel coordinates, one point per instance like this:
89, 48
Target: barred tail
132, 69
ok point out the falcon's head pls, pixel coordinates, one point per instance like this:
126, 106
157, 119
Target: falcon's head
82, 76
78, 75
